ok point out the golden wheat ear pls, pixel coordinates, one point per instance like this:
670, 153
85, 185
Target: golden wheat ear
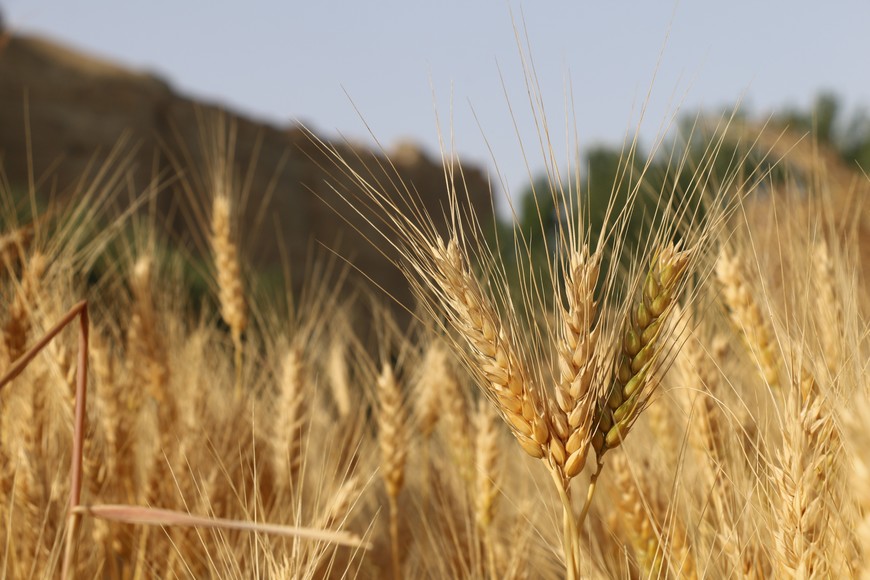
234, 308
394, 450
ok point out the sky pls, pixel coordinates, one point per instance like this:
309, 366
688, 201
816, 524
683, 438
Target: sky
407, 70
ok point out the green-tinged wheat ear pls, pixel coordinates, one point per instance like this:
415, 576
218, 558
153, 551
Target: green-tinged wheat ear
579, 363
641, 349
497, 359
234, 309
746, 315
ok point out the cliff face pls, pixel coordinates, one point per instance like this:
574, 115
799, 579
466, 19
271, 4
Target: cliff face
78, 109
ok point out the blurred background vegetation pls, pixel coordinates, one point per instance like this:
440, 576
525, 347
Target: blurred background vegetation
845, 133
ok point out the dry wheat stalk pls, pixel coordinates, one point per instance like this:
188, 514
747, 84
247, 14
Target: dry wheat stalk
230, 293
641, 349
579, 364
746, 315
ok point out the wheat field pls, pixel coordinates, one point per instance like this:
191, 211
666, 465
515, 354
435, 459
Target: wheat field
691, 404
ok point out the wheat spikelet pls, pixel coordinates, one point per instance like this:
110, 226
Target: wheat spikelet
640, 349
747, 317
230, 293
496, 356
290, 417
578, 365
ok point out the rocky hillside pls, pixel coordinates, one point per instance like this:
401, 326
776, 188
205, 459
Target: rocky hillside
81, 111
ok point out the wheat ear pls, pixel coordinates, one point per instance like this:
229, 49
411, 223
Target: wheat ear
486, 477
394, 450
641, 529
641, 348
290, 417
230, 293
20, 314
578, 365
806, 479
148, 358
746, 316
498, 361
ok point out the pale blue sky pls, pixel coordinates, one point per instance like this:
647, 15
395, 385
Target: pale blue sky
283, 61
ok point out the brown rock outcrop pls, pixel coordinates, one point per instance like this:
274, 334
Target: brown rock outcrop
78, 108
